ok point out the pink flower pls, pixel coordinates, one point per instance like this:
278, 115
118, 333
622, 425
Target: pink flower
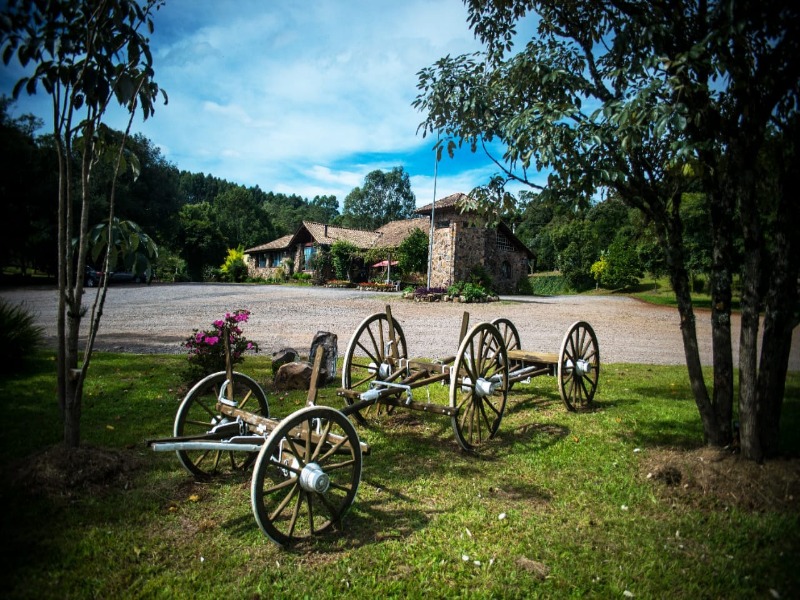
212, 339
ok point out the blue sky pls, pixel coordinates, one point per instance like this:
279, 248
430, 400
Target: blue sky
299, 97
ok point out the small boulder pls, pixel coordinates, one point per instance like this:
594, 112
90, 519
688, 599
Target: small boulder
293, 376
282, 357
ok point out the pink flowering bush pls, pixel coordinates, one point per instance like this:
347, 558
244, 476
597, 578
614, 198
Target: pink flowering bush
207, 348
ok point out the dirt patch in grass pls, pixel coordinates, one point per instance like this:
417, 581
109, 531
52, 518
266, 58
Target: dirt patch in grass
59, 472
714, 478
705, 478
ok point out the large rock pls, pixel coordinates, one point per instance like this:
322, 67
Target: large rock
327, 343
281, 357
295, 376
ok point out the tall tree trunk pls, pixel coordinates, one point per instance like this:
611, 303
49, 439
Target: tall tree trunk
741, 181
672, 239
74, 380
779, 321
748, 353
721, 296
780, 311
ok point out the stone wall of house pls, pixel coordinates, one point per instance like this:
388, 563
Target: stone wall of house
460, 247
509, 266
470, 247
254, 271
442, 256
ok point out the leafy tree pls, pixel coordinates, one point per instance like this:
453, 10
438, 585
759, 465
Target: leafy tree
27, 189
153, 199
343, 253
576, 246
129, 247
201, 242
607, 219
241, 218
384, 197
599, 269
412, 253
198, 187
323, 209
623, 268
85, 55
234, 269
696, 241
651, 101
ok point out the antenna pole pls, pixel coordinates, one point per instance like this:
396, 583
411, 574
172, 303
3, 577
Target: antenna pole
433, 212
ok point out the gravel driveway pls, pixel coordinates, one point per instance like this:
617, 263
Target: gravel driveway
157, 318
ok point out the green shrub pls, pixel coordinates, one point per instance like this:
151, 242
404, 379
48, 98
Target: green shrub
20, 335
623, 267
548, 285
471, 292
342, 255
479, 276
234, 269
524, 286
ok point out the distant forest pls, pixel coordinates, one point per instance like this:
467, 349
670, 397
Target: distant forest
197, 217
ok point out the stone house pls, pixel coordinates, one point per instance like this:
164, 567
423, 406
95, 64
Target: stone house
298, 249
460, 247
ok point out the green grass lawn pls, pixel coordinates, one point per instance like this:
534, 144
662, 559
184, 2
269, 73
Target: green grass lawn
660, 292
557, 505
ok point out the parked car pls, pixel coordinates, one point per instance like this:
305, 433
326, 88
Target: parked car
91, 278
125, 277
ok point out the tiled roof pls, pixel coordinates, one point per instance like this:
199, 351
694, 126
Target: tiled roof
446, 203
328, 234
393, 233
279, 244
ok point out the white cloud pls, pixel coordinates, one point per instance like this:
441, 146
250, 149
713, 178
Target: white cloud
303, 98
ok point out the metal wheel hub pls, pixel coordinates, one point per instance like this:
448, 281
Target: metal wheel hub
381, 372
580, 366
314, 479
483, 387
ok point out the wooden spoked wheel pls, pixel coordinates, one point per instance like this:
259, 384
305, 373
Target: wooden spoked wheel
479, 386
306, 475
198, 415
578, 366
508, 331
373, 353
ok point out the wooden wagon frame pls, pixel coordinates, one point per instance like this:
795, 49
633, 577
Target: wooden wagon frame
307, 466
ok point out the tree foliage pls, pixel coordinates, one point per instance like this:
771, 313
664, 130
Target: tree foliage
412, 253
200, 239
384, 197
86, 55
343, 253
651, 101
234, 269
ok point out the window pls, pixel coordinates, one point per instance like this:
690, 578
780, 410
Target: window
276, 259
503, 243
442, 224
308, 254
505, 269
262, 260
